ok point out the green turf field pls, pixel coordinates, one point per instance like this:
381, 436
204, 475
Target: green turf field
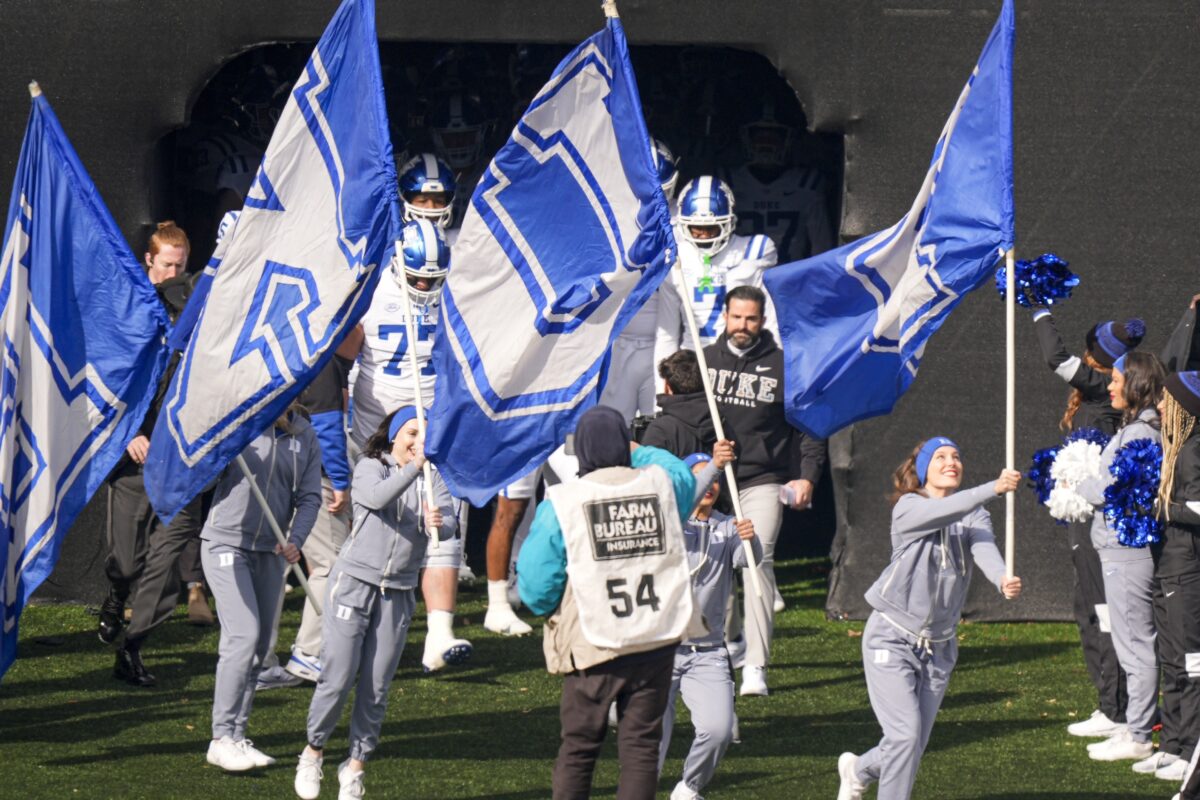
489, 730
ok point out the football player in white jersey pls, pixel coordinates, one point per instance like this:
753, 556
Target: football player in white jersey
714, 260
384, 383
427, 189
460, 126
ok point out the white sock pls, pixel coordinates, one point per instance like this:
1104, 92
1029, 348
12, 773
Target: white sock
498, 595
441, 624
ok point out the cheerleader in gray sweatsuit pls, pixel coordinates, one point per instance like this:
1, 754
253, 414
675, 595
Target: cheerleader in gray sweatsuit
371, 596
245, 565
909, 645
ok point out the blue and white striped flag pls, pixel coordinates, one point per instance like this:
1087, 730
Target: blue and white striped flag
566, 236
854, 321
321, 216
82, 352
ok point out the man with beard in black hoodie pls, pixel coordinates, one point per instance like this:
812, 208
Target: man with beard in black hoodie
685, 426
745, 367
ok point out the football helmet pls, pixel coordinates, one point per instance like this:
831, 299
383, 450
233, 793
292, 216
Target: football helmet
704, 202
458, 126
667, 167
426, 173
767, 135
423, 254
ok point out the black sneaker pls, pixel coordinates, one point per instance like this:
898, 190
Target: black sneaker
129, 668
112, 612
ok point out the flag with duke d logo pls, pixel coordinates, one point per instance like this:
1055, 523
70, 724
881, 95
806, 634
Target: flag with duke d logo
298, 270
566, 236
854, 321
83, 349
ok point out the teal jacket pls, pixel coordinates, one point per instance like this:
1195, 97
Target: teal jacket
542, 565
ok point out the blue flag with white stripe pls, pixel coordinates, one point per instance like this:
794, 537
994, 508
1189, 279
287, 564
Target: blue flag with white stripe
297, 271
566, 236
82, 352
855, 321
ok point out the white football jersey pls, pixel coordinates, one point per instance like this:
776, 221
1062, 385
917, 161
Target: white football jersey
791, 210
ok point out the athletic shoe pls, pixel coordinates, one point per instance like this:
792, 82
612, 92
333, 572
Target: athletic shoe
754, 682
465, 575
503, 621
1155, 762
276, 678
1097, 725
111, 623
1174, 771
737, 652
514, 595
737, 731
1121, 747
259, 758
308, 777
614, 719
439, 654
304, 666
198, 611
350, 783
683, 792
129, 668
226, 754
850, 788
779, 604
1118, 735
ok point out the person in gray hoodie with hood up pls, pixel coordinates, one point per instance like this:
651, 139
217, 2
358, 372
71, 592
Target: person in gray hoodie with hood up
909, 645
245, 565
372, 595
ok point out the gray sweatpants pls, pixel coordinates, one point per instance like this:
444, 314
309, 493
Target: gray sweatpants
363, 630
321, 549
706, 683
761, 506
906, 684
1129, 589
246, 585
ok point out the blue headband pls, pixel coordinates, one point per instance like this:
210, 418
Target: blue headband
925, 454
402, 416
697, 458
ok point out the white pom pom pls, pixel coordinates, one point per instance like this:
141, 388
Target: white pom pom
1068, 505
1077, 462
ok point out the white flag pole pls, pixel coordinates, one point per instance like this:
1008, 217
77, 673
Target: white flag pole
1010, 408
411, 328
274, 523
685, 292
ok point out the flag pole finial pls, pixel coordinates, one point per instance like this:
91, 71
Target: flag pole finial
610, 9
34, 89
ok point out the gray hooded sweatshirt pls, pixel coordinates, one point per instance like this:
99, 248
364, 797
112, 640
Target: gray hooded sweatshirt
1104, 539
287, 468
388, 541
923, 589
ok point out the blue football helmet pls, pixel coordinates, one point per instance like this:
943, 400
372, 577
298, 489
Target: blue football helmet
424, 255
426, 173
667, 166
458, 126
706, 202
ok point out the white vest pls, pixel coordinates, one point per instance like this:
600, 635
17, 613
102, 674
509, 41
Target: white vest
625, 557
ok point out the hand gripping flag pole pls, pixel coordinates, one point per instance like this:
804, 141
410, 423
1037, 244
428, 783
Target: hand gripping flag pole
283, 542
1010, 409
685, 291
414, 370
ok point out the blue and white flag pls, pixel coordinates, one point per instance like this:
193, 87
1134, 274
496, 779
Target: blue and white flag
298, 272
854, 321
566, 236
83, 350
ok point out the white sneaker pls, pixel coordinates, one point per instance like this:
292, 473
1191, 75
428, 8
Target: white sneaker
276, 678
1155, 762
465, 576
308, 777
736, 738
440, 653
350, 784
259, 758
1121, 747
850, 788
683, 792
779, 604
754, 682
614, 719
737, 652
504, 621
514, 594
1118, 735
304, 666
1097, 725
1175, 771
226, 754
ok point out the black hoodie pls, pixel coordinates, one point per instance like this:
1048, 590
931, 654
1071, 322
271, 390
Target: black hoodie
749, 394
685, 426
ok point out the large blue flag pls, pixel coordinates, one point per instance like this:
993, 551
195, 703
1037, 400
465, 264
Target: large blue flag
298, 272
854, 321
566, 236
83, 350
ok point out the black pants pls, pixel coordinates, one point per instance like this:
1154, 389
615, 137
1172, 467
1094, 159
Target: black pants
1178, 649
640, 685
1098, 652
143, 550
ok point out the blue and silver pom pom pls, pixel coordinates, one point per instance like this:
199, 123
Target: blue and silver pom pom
1041, 282
1129, 499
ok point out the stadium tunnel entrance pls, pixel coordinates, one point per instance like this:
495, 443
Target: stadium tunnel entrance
720, 110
